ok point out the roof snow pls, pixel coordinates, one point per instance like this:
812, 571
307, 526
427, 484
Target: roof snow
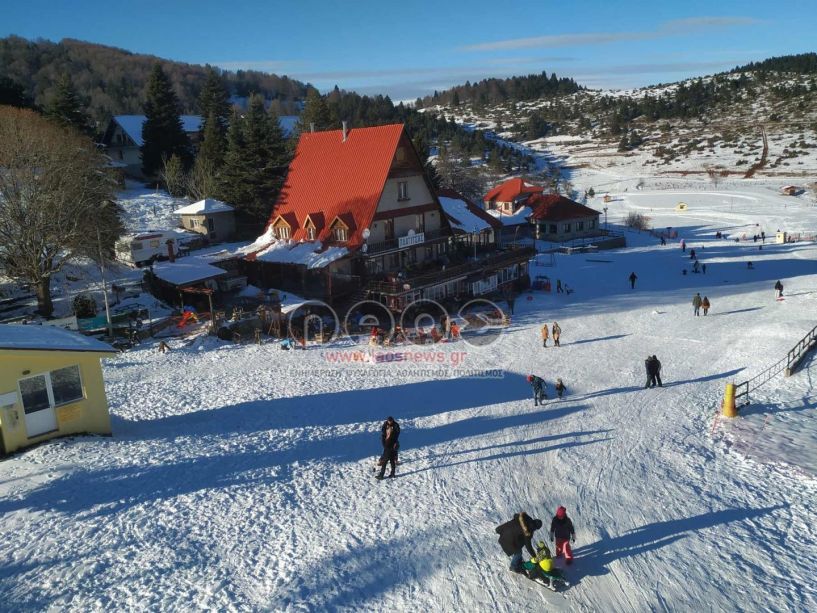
309, 254
202, 207
520, 217
48, 338
132, 125
462, 218
187, 270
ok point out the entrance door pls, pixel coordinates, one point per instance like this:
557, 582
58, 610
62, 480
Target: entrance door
41, 417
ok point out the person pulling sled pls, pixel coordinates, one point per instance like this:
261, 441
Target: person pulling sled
516, 534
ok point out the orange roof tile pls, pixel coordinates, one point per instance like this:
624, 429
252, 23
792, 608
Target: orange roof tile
330, 178
511, 189
553, 207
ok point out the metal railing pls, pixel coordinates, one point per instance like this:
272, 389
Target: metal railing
786, 365
803, 346
440, 276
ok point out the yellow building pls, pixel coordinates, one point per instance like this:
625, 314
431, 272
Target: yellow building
50, 385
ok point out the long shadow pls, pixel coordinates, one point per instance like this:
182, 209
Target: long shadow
596, 340
771, 409
720, 375
597, 556
737, 311
110, 490
610, 391
408, 401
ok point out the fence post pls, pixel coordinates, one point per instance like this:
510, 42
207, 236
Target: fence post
729, 409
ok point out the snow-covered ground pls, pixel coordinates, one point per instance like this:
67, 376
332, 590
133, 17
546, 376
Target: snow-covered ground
241, 477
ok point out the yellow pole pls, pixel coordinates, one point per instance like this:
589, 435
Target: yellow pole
729, 409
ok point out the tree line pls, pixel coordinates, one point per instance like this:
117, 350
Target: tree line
495, 91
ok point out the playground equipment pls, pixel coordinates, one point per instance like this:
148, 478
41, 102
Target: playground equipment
188, 316
681, 206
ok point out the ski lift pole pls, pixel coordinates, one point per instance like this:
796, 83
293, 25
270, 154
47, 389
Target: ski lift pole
104, 286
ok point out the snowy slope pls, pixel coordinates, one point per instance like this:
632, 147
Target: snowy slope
240, 477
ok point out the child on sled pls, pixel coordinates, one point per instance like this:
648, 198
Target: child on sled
541, 569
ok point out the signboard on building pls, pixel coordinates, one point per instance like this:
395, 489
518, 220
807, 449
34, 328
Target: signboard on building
412, 239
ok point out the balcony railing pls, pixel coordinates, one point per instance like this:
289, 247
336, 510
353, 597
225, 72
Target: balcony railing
427, 278
404, 242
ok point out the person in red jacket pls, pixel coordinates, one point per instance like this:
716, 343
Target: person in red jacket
561, 530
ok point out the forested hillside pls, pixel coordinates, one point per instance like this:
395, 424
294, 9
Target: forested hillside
112, 81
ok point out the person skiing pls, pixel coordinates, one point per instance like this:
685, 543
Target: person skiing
539, 389
778, 290
633, 277
563, 533
557, 332
545, 334
516, 534
389, 435
696, 304
560, 388
705, 305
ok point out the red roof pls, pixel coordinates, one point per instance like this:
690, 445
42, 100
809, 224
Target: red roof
331, 178
553, 207
512, 189
472, 208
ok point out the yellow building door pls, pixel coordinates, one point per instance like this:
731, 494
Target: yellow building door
40, 415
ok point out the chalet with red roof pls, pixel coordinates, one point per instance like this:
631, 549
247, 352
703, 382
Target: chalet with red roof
557, 218
357, 217
509, 197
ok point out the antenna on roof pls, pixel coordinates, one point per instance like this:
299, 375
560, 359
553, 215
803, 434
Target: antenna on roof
311, 126
345, 131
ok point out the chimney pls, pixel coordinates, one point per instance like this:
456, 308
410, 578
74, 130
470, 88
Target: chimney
345, 131
311, 127
171, 255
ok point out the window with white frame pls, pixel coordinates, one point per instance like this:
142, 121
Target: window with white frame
402, 190
310, 233
282, 231
339, 233
54, 388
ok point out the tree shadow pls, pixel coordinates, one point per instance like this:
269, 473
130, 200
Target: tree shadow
597, 556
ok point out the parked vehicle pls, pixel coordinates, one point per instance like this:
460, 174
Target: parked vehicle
139, 249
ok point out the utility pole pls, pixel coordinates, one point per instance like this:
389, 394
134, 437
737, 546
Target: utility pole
104, 285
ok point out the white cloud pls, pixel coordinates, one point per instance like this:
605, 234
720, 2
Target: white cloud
674, 27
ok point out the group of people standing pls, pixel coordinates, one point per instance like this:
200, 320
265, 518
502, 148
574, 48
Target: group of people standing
517, 534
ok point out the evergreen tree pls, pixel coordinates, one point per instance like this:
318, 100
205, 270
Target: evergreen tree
316, 113
162, 132
256, 161
214, 100
65, 106
213, 142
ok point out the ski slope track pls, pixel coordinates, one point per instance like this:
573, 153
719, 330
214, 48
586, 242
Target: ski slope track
241, 478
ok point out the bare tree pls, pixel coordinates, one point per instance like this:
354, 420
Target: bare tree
173, 175
202, 181
56, 200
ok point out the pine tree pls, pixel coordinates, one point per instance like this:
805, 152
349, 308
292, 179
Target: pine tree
255, 163
315, 114
65, 106
162, 132
213, 142
214, 100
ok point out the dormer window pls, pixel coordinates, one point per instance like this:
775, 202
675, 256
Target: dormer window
282, 232
340, 233
310, 233
281, 229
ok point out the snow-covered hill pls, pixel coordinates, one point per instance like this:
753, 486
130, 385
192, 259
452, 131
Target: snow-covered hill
241, 477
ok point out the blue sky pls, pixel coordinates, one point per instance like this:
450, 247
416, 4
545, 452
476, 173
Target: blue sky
406, 49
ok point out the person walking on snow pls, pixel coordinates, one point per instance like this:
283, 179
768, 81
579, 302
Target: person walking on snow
545, 335
696, 304
633, 277
703, 268
705, 305
558, 286
539, 389
557, 332
389, 435
683, 245
778, 289
563, 533
516, 534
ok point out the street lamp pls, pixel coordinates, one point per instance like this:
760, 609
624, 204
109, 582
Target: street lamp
605, 218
